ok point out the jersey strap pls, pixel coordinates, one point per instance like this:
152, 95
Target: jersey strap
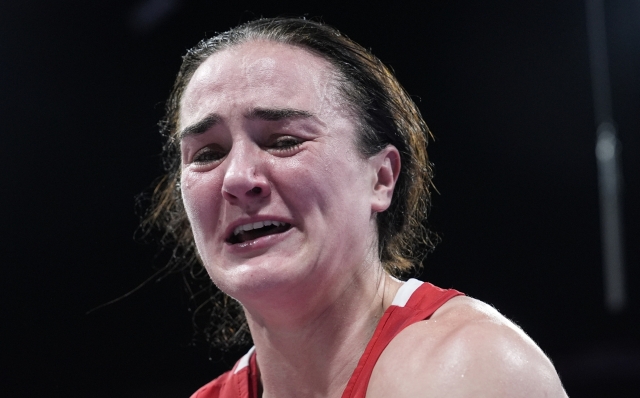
414, 302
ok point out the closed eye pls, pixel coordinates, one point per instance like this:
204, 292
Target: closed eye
208, 155
285, 143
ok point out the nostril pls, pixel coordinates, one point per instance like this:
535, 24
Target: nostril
256, 190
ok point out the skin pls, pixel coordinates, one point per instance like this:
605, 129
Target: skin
265, 135
466, 349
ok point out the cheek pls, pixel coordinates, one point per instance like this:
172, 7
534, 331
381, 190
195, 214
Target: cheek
303, 181
330, 184
201, 197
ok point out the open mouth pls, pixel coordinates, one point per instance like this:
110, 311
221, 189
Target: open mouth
251, 231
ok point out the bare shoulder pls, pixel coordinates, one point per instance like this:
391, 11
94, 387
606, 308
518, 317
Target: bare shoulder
466, 349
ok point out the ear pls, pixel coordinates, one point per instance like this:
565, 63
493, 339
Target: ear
387, 166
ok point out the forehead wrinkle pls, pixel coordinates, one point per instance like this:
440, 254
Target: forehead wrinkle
258, 67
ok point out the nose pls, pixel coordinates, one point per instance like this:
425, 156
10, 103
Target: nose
244, 183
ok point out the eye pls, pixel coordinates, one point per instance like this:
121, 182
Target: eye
286, 143
208, 155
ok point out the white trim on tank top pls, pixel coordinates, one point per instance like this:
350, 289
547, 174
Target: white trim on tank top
404, 293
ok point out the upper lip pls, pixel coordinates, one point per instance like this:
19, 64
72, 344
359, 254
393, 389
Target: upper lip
228, 233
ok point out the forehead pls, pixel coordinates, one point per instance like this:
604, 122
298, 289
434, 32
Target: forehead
260, 74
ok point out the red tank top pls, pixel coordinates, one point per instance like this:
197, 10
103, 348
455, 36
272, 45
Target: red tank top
414, 302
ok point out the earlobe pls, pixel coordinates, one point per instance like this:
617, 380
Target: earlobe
387, 163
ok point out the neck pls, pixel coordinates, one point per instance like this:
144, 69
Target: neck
315, 354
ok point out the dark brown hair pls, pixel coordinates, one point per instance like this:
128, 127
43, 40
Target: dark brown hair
387, 116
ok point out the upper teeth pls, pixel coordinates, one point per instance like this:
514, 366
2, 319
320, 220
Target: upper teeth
255, 225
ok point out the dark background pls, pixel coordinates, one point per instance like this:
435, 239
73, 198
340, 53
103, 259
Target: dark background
505, 86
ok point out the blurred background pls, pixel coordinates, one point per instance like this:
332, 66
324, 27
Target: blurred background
505, 86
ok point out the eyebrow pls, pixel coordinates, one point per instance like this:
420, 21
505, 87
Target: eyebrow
200, 127
269, 114
275, 114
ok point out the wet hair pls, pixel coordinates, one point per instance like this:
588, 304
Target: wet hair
386, 116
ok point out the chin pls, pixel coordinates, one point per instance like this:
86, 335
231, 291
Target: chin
258, 279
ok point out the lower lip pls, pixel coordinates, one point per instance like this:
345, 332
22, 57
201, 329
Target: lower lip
257, 245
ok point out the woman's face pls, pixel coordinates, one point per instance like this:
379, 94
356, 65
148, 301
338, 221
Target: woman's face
278, 197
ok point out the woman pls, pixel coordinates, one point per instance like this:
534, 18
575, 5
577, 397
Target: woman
300, 175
